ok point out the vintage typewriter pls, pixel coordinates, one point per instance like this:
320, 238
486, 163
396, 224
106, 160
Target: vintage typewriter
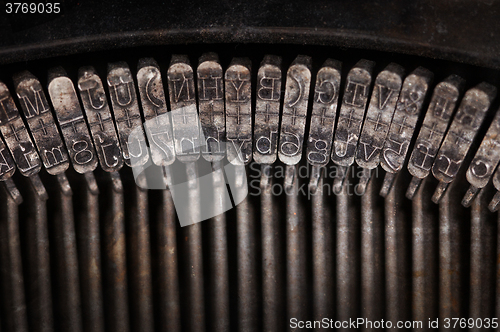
358, 141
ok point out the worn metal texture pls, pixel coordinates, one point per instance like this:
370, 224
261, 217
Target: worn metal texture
410, 103
352, 111
90, 250
436, 122
185, 121
17, 137
379, 116
239, 111
71, 121
154, 106
101, 124
267, 110
211, 107
125, 107
294, 115
324, 111
461, 134
41, 122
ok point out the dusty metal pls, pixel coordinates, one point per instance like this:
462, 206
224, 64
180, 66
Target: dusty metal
351, 114
272, 269
461, 134
267, 110
483, 260
37, 185
168, 281
397, 261
101, 124
68, 307
436, 122
239, 111
484, 163
324, 111
7, 164
347, 257
378, 119
425, 258
192, 234
71, 121
16, 136
140, 281
379, 115
41, 122
125, 108
154, 107
372, 254
451, 257
185, 123
211, 107
314, 179
297, 282
89, 255
13, 299
457, 32
39, 296
246, 239
14, 193
218, 269
323, 254
293, 118
186, 131
389, 264
404, 121
115, 258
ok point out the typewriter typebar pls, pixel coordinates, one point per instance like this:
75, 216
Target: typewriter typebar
326, 153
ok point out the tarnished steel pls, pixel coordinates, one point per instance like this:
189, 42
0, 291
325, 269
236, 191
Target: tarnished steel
436, 122
39, 295
115, 258
185, 122
16, 136
154, 106
324, 111
267, 110
379, 116
237, 80
297, 282
211, 107
41, 122
356, 92
101, 123
92, 249
294, 115
71, 121
404, 121
13, 300
273, 283
463, 130
125, 108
